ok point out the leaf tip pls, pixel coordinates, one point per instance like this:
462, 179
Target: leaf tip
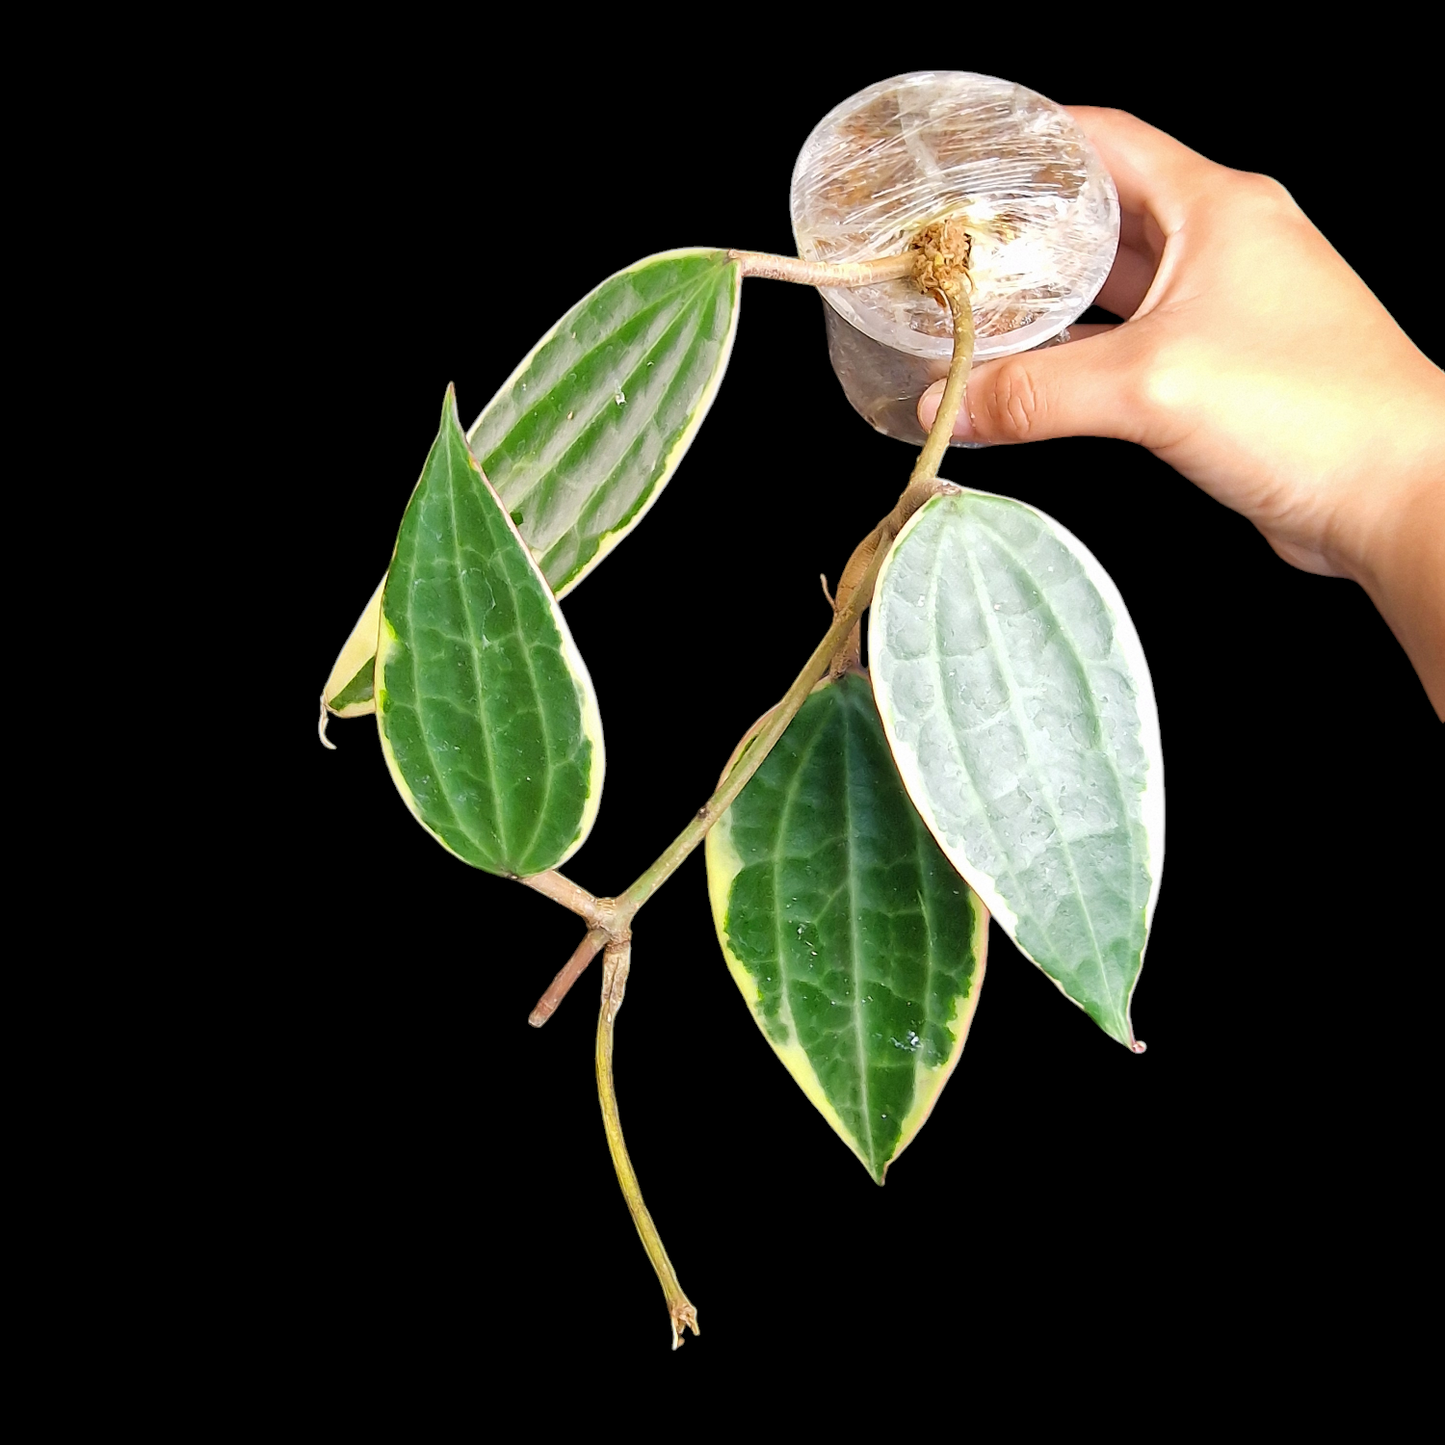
1138, 1046
321, 726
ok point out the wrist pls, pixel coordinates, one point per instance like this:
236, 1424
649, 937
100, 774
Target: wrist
1392, 466
1404, 574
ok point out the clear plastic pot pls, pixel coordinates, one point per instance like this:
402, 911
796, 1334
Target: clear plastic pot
1040, 208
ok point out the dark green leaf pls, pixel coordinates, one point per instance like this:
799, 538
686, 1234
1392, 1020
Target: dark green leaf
487, 714
858, 947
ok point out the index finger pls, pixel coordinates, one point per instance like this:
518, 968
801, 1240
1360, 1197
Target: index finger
1156, 175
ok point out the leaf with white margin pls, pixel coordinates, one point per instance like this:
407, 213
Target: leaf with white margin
858, 948
487, 716
1017, 701
582, 437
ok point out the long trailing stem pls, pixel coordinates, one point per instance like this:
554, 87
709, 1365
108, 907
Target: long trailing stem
681, 1311
938, 262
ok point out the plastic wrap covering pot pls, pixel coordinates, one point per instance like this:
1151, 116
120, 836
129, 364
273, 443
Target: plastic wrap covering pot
1040, 208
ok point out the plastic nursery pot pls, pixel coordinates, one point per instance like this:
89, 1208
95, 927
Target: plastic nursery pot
1040, 208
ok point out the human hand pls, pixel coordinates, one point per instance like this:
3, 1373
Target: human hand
1258, 364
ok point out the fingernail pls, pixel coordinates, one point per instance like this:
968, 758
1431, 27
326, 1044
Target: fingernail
928, 409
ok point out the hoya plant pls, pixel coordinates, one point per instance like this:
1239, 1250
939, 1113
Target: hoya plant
998, 756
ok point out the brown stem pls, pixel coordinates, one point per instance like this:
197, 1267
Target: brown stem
850, 654
571, 971
596, 911
822, 273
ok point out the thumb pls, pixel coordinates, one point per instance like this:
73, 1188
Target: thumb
1082, 388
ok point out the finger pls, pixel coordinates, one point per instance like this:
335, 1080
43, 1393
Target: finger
1086, 388
1155, 174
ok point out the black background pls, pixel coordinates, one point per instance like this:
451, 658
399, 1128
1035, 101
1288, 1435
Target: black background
437, 1209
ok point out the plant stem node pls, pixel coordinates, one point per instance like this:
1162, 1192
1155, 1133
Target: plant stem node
941, 254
